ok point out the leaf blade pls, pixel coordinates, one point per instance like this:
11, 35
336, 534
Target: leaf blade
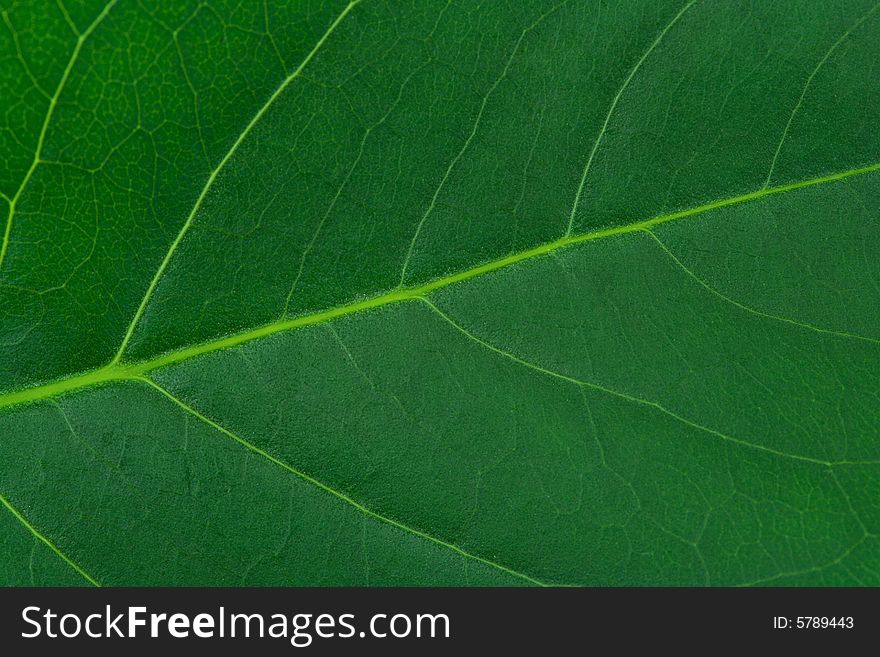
214, 372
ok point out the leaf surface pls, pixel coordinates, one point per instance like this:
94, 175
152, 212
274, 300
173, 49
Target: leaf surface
380, 293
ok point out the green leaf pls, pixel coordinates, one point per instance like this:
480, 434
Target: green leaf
440, 293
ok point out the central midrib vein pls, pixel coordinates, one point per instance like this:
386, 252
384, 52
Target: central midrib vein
120, 371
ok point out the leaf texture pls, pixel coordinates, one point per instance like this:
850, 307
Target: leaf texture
391, 293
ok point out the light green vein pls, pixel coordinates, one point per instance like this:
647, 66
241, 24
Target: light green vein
39, 535
755, 311
332, 491
622, 395
216, 172
116, 370
53, 103
470, 138
807, 84
627, 80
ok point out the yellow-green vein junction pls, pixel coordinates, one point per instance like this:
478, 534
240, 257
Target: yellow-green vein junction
120, 370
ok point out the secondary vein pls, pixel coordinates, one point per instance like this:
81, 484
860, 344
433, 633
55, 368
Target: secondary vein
627, 80
467, 142
621, 395
843, 37
41, 138
328, 489
213, 176
749, 309
43, 539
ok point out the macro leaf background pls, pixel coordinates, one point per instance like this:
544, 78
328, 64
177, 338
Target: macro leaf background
440, 293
